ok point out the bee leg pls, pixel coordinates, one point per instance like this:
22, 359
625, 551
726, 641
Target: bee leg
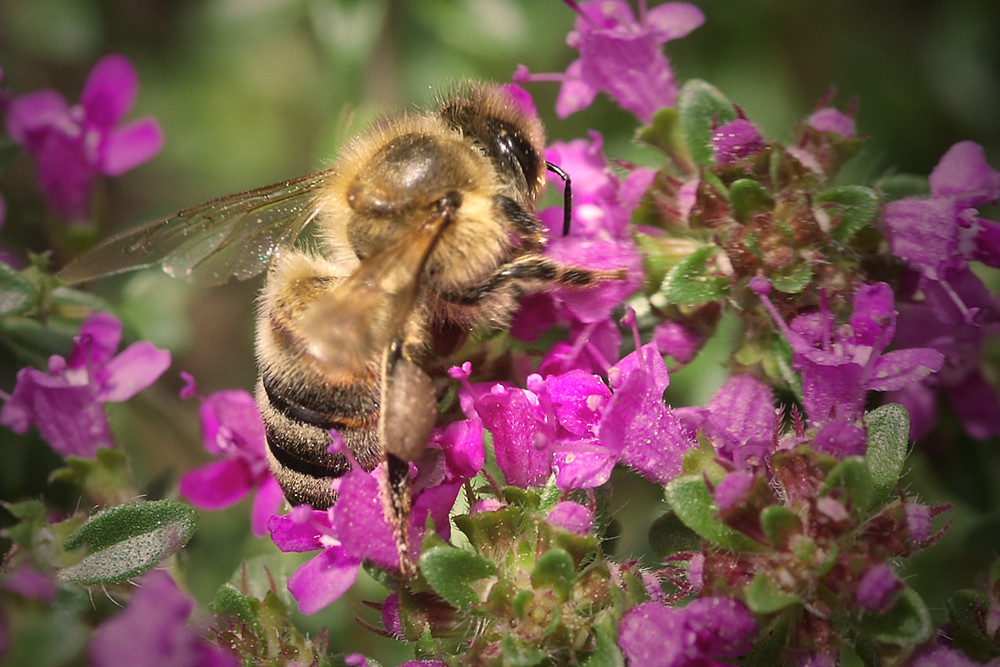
409, 411
529, 274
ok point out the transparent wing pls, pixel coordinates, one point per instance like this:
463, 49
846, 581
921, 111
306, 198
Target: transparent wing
369, 310
231, 237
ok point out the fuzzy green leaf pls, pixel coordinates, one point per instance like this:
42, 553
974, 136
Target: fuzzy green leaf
747, 198
764, 597
852, 475
690, 283
690, 498
779, 524
888, 438
854, 205
17, 293
908, 623
555, 570
127, 540
451, 573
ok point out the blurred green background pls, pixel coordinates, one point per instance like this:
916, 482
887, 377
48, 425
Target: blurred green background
250, 92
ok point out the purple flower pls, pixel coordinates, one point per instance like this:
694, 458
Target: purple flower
72, 145
708, 628
153, 630
878, 588
739, 421
840, 367
735, 141
353, 530
943, 231
575, 426
571, 516
233, 430
67, 402
621, 56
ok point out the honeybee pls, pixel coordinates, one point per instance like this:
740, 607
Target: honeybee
426, 226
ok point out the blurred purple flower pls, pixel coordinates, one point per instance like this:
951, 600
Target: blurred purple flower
153, 630
840, 367
72, 145
67, 402
735, 141
943, 232
878, 588
939, 236
233, 430
621, 56
708, 628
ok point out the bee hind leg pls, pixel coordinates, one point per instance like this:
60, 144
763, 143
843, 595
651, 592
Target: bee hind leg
408, 414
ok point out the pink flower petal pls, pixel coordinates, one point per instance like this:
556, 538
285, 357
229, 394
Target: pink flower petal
110, 91
320, 581
137, 367
129, 146
216, 485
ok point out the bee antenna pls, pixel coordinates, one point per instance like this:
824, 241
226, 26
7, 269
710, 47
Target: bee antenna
567, 194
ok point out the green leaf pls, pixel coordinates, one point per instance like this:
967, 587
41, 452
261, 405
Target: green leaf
701, 104
668, 535
451, 573
517, 654
17, 293
855, 205
888, 439
779, 524
230, 604
690, 498
794, 280
966, 611
127, 540
747, 198
689, 283
852, 475
555, 570
606, 652
763, 596
664, 132
908, 623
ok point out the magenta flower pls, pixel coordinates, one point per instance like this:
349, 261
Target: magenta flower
621, 56
943, 232
739, 421
840, 367
707, 629
575, 426
355, 528
878, 588
233, 430
72, 145
735, 141
153, 630
67, 402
